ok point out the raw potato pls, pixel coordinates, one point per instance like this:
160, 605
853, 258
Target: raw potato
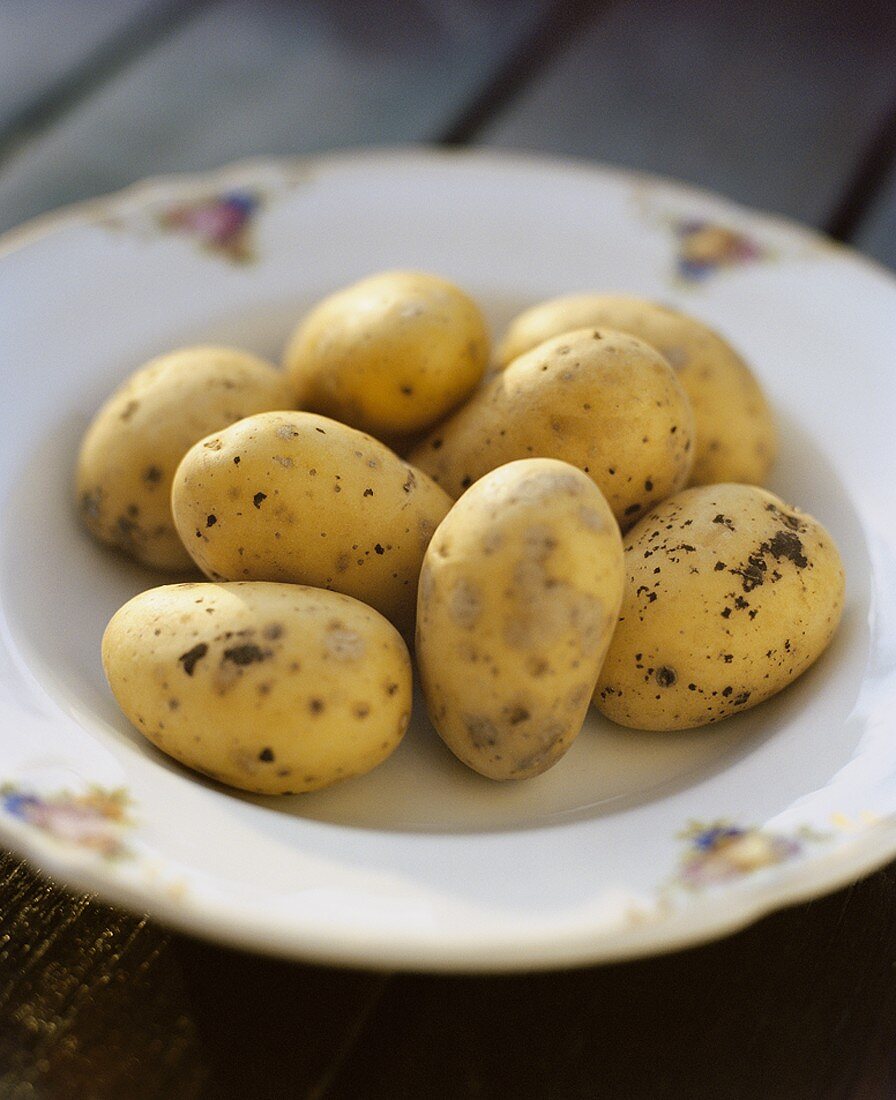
730, 595
132, 447
272, 688
601, 400
519, 594
391, 355
292, 496
736, 437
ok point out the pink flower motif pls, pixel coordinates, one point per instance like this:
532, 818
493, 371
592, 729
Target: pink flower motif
704, 248
220, 224
93, 821
722, 852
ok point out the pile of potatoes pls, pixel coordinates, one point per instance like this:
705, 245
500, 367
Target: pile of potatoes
586, 526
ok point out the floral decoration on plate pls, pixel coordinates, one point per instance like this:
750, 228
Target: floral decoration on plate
720, 852
219, 223
704, 247
94, 821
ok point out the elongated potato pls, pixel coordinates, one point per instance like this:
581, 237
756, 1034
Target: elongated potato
730, 595
134, 443
600, 400
519, 595
292, 496
391, 354
272, 688
736, 436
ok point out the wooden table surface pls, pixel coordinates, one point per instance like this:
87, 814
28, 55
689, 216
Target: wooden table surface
787, 106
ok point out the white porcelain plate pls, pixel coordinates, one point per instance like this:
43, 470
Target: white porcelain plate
634, 842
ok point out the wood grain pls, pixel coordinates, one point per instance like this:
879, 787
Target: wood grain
92, 1003
35, 58
771, 104
269, 78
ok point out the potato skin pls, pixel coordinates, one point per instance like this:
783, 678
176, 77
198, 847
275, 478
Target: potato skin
601, 400
296, 497
736, 434
519, 594
272, 688
391, 354
730, 595
133, 445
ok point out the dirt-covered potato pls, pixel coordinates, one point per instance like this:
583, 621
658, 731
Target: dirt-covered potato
730, 595
292, 496
136, 440
519, 595
736, 437
273, 688
392, 354
601, 400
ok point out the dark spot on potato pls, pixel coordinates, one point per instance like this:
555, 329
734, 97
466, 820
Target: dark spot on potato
482, 731
245, 654
236, 460
361, 710
719, 566
466, 481
259, 497
785, 544
391, 689
632, 508
436, 443
727, 691
648, 486
192, 656
379, 549
315, 705
726, 613
152, 475
411, 481
210, 521
517, 715
128, 411
739, 700
666, 676
273, 632
724, 520
173, 704
368, 492
266, 756
407, 390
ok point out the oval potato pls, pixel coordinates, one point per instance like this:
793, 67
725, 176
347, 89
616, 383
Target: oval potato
736, 435
730, 595
391, 354
136, 440
601, 400
519, 595
296, 497
272, 688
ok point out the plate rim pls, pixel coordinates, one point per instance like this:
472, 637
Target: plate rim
714, 915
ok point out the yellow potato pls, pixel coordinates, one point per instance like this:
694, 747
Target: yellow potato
730, 595
132, 447
519, 594
601, 400
736, 437
292, 496
391, 354
272, 688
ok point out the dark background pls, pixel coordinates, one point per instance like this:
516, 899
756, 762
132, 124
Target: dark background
790, 107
